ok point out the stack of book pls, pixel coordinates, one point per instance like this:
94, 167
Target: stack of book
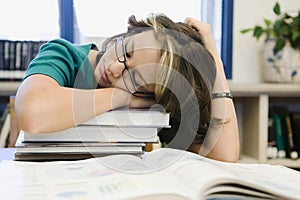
121, 131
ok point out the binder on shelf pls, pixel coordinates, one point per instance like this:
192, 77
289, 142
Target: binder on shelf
272, 148
295, 124
290, 147
279, 136
15, 56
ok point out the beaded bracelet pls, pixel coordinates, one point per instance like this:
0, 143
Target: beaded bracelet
222, 95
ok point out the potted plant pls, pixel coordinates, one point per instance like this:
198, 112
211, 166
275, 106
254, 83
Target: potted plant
282, 46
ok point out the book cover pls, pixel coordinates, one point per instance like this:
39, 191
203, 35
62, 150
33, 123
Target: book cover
272, 147
96, 134
291, 149
64, 156
12, 55
279, 136
132, 117
6, 55
295, 123
77, 147
2, 49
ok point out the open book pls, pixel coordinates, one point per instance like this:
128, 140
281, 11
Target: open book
160, 174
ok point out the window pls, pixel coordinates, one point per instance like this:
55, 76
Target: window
29, 20
219, 13
94, 20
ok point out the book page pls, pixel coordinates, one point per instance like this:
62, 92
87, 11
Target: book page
205, 174
108, 177
277, 180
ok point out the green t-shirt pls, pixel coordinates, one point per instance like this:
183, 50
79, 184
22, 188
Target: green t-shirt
65, 62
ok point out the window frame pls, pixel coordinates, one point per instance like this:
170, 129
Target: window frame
226, 40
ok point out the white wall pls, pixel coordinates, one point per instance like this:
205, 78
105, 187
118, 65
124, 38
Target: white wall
246, 50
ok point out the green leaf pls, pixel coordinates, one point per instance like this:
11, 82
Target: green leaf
295, 40
277, 26
257, 32
267, 22
295, 36
246, 30
296, 22
279, 44
276, 9
284, 29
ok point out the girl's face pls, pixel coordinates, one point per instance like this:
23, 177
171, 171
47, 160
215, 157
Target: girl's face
130, 63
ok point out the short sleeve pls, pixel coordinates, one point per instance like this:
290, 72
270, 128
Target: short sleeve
60, 60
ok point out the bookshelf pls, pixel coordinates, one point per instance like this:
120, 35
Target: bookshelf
252, 103
8, 88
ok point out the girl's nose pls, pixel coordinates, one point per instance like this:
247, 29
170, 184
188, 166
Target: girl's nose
115, 69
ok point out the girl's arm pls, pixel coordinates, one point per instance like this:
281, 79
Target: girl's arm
223, 144
42, 105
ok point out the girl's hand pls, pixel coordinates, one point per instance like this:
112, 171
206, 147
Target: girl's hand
121, 98
141, 102
204, 29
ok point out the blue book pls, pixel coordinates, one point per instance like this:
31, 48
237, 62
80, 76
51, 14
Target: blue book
279, 136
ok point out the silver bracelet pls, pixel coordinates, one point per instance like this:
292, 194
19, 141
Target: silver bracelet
222, 95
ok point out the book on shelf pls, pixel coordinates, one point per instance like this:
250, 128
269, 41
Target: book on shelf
132, 117
283, 130
279, 136
272, 148
295, 123
290, 147
161, 174
4, 124
15, 57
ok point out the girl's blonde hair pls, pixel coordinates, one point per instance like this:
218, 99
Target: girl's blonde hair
184, 79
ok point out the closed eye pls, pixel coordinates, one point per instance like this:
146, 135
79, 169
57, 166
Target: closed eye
129, 48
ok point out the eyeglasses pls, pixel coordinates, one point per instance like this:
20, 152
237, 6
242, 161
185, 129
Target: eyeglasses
127, 76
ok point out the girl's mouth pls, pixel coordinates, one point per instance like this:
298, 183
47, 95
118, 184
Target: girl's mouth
104, 77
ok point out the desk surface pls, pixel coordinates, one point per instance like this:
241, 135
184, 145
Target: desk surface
7, 153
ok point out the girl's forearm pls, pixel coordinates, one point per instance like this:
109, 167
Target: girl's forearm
56, 108
44, 106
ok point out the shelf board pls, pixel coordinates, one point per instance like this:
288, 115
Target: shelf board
8, 88
271, 89
246, 159
285, 162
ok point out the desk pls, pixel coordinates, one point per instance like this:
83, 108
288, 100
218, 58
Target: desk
7, 153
